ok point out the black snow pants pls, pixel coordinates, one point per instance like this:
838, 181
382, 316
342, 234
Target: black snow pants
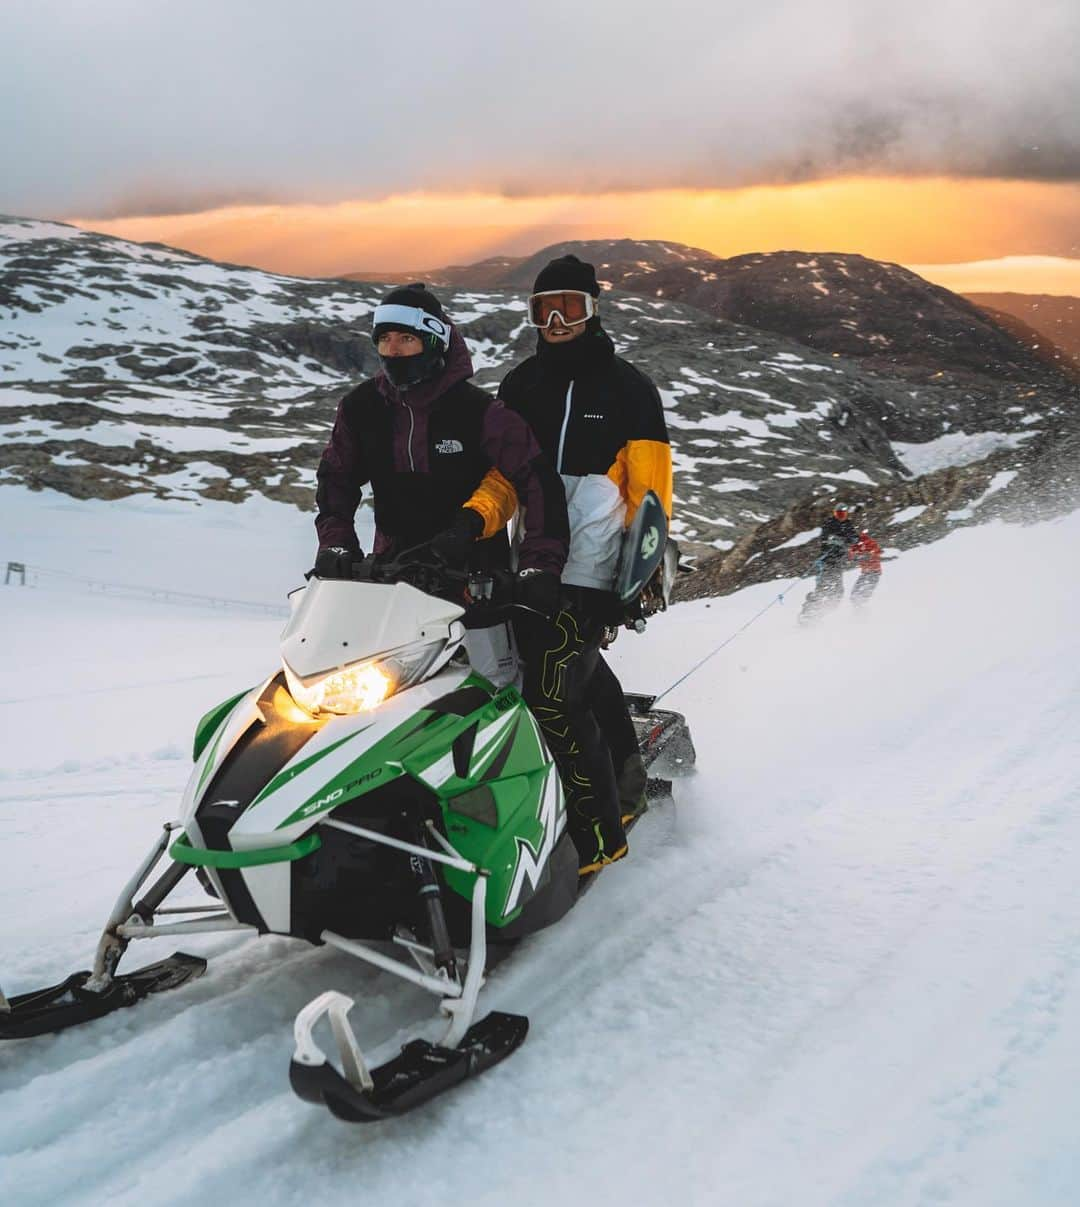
561, 660
827, 593
607, 702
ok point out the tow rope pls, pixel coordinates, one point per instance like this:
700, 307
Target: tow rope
728, 640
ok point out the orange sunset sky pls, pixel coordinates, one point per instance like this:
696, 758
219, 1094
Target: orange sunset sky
1023, 235
338, 137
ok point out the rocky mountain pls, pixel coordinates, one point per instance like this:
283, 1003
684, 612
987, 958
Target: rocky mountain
128, 368
615, 260
1039, 482
880, 313
1045, 322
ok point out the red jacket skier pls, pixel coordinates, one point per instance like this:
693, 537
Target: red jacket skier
866, 554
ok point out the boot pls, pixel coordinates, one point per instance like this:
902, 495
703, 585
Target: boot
597, 849
631, 787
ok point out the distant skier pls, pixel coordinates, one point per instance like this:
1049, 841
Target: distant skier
838, 537
866, 553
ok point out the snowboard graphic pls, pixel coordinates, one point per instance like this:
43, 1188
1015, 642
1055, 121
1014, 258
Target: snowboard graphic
642, 549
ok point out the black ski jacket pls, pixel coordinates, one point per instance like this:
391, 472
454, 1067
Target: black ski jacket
601, 422
837, 537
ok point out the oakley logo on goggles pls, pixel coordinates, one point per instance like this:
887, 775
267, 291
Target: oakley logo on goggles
571, 305
415, 319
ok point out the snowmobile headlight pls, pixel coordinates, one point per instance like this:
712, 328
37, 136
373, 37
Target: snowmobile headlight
361, 686
356, 688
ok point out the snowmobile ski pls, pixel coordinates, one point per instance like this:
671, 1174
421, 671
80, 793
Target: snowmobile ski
71, 1003
420, 1072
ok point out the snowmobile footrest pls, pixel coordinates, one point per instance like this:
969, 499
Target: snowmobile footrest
69, 1003
420, 1072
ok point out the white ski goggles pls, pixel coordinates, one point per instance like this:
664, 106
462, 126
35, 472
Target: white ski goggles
414, 318
572, 306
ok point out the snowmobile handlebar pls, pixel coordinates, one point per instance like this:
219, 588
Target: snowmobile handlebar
489, 593
429, 574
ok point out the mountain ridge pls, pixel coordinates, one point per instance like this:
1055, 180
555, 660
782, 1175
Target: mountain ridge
896, 320
129, 369
1052, 319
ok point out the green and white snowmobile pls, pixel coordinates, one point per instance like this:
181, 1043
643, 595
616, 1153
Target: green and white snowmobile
374, 794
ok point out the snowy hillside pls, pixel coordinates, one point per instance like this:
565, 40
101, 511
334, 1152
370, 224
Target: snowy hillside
842, 968
132, 369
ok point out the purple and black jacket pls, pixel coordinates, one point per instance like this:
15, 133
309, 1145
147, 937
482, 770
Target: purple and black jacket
431, 450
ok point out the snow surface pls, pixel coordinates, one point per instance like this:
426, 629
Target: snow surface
842, 968
998, 482
803, 538
955, 448
907, 514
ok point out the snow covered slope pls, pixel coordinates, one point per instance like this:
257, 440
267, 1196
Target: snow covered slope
842, 969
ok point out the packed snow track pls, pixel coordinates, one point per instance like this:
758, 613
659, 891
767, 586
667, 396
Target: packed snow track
842, 967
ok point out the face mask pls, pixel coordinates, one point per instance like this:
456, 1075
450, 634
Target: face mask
405, 371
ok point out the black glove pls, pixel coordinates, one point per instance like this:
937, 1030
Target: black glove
455, 543
335, 562
539, 590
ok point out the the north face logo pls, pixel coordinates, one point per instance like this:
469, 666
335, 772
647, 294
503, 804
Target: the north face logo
449, 446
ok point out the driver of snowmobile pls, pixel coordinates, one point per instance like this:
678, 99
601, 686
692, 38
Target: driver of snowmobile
446, 463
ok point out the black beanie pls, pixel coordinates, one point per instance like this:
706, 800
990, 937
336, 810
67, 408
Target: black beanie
414, 297
567, 272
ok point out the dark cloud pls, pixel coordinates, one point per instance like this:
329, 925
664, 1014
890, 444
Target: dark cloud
156, 200
123, 106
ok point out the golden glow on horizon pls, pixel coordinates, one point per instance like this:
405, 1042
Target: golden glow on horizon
915, 221
1010, 274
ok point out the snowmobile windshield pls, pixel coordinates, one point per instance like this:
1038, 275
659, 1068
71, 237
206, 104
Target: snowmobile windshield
362, 686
